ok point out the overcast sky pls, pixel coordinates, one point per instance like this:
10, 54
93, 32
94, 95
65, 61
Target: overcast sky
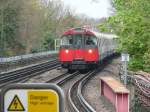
96, 9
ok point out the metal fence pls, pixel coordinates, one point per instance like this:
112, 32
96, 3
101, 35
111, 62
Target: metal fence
141, 83
12, 63
22, 57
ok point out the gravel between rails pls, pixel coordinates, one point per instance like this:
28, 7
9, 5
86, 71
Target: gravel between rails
91, 91
43, 78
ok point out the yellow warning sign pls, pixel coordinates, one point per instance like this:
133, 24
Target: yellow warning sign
16, 105
43, 101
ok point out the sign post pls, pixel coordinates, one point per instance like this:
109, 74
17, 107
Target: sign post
32, 98
125, 59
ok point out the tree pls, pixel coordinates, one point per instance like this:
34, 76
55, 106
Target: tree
131, 24
28, 26
9, 17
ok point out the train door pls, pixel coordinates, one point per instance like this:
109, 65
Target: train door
78, 47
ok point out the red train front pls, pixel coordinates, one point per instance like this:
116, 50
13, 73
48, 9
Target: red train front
78, 49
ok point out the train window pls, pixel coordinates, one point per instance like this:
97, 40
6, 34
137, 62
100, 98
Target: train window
90, 40
78, 40
67, 40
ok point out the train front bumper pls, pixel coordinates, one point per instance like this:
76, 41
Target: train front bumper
79, 64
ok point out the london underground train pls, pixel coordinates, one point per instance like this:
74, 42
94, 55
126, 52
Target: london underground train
82, 48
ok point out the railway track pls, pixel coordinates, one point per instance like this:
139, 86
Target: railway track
61, 79
77, 103
24, 74
75, 92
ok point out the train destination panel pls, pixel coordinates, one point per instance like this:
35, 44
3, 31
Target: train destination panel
32, 99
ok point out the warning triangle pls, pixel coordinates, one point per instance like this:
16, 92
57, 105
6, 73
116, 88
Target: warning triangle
16, 105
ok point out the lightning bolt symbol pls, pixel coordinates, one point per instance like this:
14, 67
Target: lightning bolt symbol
15, 103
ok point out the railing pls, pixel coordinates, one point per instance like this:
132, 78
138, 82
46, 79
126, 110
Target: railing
15, 62
21, 57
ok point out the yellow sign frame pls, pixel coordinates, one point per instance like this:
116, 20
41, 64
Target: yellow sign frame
43, 89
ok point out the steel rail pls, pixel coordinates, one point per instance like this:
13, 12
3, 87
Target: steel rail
83, 102
57, 78
75, 96
61, 79
27, 71
67, 77
76, 91
24, 69
23, 76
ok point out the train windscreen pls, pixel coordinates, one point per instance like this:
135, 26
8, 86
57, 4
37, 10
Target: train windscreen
67, 40
90, 40
79, 40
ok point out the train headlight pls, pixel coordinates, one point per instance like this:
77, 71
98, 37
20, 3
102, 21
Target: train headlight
67, 51
90, 51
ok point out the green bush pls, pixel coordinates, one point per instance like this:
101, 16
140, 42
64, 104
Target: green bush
131, 24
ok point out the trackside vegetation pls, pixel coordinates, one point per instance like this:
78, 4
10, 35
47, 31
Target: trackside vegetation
29, 26
131, 22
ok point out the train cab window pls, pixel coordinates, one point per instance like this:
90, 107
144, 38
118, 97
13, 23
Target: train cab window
90, 40
67, 40
78, 40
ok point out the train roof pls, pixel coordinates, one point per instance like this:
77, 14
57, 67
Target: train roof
104, 35
88, 32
